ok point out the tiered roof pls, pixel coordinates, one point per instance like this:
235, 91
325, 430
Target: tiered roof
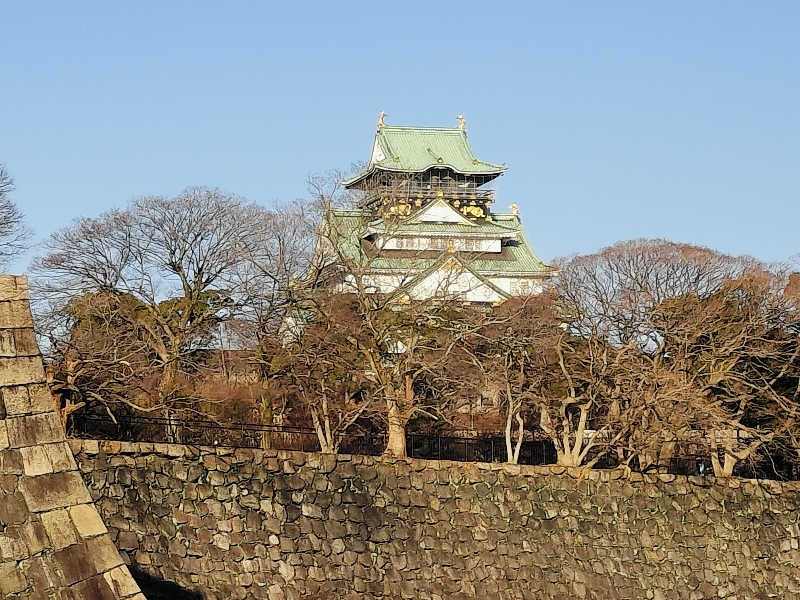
443, 214
417, 149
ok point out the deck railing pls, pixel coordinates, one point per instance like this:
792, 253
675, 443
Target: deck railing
412, 190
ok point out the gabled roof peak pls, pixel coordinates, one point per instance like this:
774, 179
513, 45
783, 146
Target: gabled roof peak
439, 211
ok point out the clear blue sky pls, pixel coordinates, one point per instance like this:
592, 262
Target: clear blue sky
617, 119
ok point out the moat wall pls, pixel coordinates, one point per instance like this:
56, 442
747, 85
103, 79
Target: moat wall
264, 524
53, 544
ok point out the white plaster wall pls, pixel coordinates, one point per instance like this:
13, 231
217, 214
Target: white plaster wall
518, 286
439, 243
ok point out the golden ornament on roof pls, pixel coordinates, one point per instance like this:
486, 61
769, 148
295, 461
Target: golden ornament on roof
472, 211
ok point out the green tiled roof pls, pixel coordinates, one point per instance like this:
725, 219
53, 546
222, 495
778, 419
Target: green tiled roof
352, 225
499, 227
417, 149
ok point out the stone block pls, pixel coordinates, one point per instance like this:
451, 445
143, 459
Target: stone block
41, 399
35, 460
11, 547
16, 400
161, 449
3, 435
21, 370
13, 287
103, 553
60, 457
15, 314
34, 429
75, 564
40, 576
87, 520
96, 588
33, 534
7, 345
10, 462
8, 484
13, 509
24, 341
91, 446
120, 581
127, 540
59, 528
75, 446
12, 580
54, 490
175, 450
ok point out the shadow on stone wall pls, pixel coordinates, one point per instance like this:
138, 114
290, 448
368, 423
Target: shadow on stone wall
158, 589
263, 524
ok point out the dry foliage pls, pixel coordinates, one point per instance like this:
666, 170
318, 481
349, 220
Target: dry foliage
637, 351
14, 235
689, 342
132, 295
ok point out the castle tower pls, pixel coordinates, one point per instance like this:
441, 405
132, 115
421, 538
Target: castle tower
424, 217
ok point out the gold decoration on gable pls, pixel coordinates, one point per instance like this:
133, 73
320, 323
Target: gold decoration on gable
472, 211
400, 210
453, 265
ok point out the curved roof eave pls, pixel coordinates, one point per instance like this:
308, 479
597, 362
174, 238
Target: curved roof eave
495, 170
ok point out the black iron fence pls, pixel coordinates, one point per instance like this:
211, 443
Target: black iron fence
477, 449
197, 432
304, 439
426, 446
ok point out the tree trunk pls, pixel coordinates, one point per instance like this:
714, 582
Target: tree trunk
567, 459
265, 411
164, 391
396, 439
172, 428
665, 454
513, 449
725, 467
322, 427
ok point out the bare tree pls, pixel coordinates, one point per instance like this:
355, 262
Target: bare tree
177, 260
688, 340
512, 347
323, 372
611, 291
103, 365
404, 335
14, 235
739, 348
384, 355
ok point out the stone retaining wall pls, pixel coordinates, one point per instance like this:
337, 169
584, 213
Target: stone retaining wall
265, 524
53, 544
